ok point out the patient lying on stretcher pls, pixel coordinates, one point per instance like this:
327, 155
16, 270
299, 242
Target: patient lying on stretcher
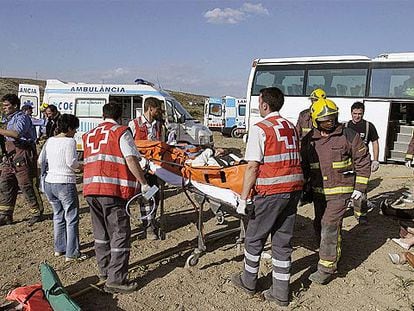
218, 157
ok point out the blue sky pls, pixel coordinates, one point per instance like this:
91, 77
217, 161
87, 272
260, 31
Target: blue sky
203, 47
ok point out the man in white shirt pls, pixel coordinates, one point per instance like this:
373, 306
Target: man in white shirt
149, 126
112, 175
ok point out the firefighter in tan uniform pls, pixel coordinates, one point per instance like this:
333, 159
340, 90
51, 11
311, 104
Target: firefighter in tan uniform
336, 163
304, 124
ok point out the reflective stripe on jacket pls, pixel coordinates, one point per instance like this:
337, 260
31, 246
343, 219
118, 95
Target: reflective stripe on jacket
280, 171
105, 170
336, 164
304, 124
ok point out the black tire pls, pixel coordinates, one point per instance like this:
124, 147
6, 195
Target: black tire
235, 133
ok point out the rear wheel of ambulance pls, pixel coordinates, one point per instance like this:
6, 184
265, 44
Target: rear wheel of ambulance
236, 133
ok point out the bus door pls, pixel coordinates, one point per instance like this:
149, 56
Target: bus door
400, 129
378, 112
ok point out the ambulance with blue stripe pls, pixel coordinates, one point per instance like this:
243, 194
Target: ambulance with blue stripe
86, 102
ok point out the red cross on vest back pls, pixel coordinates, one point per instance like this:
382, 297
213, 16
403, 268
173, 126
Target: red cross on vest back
97, 138
285, 133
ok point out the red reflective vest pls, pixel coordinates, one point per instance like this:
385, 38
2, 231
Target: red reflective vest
141, 129
280, 171
105, 170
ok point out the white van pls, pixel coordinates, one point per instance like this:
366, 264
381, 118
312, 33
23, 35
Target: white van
86, 102
226, 114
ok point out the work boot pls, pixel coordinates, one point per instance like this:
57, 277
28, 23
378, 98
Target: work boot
236, 280
320, 277
128, 288
35, 219
6, 219
269, 297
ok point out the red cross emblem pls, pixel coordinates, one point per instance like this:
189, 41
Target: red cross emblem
98, 137
285, 132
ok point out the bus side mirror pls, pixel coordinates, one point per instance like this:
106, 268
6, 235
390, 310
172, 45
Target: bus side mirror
181, 119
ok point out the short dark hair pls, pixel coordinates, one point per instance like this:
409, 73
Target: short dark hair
52, 108
358, 105
66, 122
273, 97
26, 107
12, 99
152, 102
112, 110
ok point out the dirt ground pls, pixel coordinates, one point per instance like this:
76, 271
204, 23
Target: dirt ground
367, 280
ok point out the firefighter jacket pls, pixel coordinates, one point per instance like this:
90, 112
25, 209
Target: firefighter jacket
141, 130
280, 170
410, 151
304, 124
105, 170
336, 164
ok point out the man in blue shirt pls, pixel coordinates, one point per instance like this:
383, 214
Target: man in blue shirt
19, 168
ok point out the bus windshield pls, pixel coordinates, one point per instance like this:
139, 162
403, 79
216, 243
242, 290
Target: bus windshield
392, 82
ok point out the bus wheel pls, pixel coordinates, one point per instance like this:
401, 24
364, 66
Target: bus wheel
236, 133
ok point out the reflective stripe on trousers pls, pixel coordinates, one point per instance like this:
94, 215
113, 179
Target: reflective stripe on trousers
275, 215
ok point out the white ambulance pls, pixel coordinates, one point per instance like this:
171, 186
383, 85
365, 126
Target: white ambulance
86, 102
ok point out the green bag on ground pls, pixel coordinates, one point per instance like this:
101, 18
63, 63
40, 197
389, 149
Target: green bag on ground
54, 291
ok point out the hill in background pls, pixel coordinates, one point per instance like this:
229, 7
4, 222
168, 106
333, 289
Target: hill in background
11, 85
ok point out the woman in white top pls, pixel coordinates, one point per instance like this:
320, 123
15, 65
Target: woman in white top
59, 153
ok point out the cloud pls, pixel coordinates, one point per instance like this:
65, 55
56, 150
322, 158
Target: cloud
115, 73
257, 9
235, 16
224, 16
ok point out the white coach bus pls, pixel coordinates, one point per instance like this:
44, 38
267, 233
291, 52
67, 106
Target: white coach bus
86, 102
385, 84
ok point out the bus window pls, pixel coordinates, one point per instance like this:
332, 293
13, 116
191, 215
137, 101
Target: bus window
338, 82
89, 108
290, 82
392, 82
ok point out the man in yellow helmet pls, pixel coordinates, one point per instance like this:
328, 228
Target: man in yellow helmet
336, 164
304, 124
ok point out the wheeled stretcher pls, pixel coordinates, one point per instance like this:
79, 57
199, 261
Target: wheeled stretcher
220, 187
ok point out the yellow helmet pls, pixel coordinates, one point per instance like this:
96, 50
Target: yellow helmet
323, 109
316, 94
43, 106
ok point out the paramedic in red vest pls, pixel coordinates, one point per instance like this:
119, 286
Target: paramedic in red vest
149, 126
368, 133
336, 164
112, 175
274, 172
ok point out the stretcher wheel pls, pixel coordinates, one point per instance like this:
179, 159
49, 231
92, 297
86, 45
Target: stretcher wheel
192, 260
220, 219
